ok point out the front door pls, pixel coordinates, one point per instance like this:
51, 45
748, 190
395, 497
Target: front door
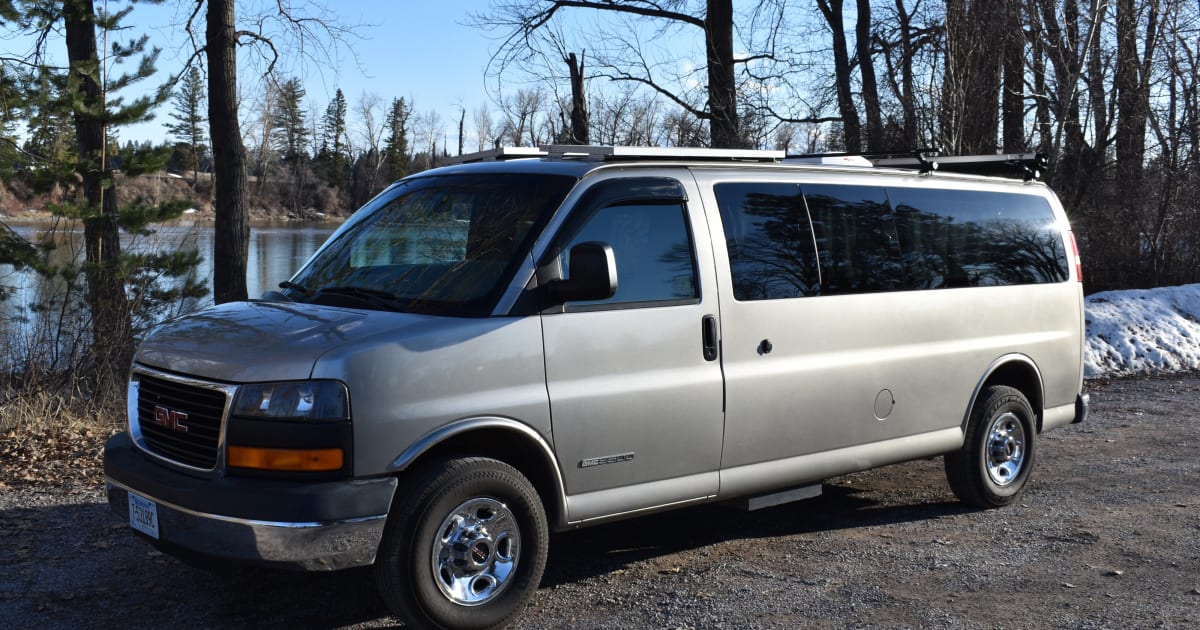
635, 399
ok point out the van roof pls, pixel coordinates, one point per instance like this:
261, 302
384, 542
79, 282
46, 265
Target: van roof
576, 160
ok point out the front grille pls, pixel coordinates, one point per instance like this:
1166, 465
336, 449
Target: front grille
160, 404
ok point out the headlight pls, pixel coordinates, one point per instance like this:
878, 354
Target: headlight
293, 400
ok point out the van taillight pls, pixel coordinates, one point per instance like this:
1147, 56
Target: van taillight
1078, 260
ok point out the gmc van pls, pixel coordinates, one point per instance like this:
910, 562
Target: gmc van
543, 339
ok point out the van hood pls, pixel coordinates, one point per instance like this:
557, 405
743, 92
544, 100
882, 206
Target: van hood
245, 342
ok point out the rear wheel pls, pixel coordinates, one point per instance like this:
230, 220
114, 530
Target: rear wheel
464, 547
991, 468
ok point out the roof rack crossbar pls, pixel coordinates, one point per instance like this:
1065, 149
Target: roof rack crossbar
611, 153
493, 155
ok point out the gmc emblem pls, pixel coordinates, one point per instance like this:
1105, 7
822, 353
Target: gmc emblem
170, 419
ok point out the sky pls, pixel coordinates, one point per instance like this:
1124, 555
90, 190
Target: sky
416, 49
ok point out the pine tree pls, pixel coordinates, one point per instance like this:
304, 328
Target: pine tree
395, 150
289, 135
333, 155
86, 92
190, 121
289, 132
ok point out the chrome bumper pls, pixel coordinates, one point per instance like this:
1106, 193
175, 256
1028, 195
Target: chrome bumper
305, 546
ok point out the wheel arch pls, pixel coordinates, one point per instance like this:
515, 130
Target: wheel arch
504, 439
1019, 372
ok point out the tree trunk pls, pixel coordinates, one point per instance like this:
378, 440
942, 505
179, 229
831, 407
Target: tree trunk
866, 70
722, 89
907, 82
1133, 97
579, 113
231, 242
851, 128
971, 88
1012, 102
1131, 82
112, 336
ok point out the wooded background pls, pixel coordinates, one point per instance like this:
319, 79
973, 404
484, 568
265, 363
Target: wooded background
1107, 89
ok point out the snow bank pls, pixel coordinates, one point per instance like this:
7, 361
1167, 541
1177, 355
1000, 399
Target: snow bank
1136, 332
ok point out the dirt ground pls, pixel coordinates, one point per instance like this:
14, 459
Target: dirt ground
1107, 535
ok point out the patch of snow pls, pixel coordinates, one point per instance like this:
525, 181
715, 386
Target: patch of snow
190, 211
1142, 331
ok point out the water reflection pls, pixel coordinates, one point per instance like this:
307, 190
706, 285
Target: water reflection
276, 252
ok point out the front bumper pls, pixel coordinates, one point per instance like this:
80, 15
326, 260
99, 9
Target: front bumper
314, 526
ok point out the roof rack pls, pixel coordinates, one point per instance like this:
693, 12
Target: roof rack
610, 153
493, 155
1028, 166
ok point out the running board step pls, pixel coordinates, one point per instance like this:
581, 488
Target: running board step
761, 501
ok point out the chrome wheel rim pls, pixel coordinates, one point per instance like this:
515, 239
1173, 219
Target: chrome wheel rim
474, 557
1005, 449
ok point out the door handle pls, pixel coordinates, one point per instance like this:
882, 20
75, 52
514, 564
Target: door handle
709, 332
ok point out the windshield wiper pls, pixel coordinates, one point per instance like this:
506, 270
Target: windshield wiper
288, 284
372, 297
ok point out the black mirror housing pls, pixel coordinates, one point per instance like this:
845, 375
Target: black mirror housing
593, 275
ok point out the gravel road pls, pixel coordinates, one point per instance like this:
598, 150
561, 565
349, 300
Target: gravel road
1107, 535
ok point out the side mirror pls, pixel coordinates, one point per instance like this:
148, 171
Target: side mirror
592, 275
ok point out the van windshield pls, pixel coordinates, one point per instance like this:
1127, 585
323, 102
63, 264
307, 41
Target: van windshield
444, 245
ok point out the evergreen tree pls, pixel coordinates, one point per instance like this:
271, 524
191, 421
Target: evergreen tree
190, 121
395, 150
289, 136
289, 132
86, 92
333, 155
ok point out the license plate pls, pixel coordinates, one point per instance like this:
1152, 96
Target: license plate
143, 515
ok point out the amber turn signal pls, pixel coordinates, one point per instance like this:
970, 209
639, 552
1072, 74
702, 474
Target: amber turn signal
285, 459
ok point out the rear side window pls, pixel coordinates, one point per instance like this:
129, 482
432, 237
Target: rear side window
796, 240
770, 241
856, 239
957, 238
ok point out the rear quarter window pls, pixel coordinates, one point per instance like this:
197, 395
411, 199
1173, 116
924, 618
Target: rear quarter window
960, 238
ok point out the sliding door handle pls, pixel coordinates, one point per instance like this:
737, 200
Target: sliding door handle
711, 340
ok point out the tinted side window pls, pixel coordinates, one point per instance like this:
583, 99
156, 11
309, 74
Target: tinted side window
769, 239
856, 239
954, 238
653, 249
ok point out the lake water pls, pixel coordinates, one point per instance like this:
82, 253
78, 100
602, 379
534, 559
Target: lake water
276, 252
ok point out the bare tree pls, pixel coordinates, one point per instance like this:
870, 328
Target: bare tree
831, 10
231, 241
866, 71
971, 79
528, 20
319, 36
579, 113
484, 135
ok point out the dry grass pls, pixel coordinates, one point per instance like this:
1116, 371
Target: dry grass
54, 437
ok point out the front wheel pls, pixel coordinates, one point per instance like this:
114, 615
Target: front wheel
464, 547
991, 468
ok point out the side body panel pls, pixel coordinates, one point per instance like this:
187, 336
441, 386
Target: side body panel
403, 387
851, 370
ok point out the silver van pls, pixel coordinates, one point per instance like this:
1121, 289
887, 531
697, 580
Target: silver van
537, 340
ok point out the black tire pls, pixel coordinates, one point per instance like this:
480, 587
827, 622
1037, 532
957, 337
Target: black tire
464, 546
995, 460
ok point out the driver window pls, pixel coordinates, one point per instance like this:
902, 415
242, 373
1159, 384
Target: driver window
653, 251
